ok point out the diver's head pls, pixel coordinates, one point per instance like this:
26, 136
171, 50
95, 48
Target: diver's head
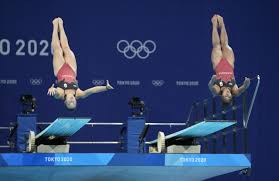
226, 95
70, 101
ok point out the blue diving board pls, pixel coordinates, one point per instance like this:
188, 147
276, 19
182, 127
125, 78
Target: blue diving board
119, 166
63, 127
201, 129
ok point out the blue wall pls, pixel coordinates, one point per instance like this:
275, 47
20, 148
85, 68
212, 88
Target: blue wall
181, 31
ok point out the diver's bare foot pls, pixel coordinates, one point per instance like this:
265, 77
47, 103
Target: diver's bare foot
214, 20
220, 21
108, 86
55, 22
60, 21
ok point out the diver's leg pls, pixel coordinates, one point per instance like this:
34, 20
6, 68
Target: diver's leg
226, 49
58, 59
68, 54
216, 54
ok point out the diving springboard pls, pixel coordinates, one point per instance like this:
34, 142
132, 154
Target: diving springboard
63, 127
201, 129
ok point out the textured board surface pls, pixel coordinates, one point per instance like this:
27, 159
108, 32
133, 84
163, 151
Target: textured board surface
201, 129
63, 127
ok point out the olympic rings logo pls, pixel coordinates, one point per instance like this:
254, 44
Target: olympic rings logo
35, 81
136, 48
158, 83
98, 82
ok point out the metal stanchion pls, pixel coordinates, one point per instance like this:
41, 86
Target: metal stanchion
245, 117
205, 109
224, 142
234, 140
213, 107
224, 115
205, 145
245, 131
234, 108
214, 142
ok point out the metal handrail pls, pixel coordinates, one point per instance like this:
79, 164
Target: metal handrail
120, 124
93, 142
245, 122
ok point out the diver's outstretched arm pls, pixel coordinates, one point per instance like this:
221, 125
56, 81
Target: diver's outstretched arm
93, 90
237, 91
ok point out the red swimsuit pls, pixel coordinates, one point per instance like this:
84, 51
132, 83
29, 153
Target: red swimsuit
66, 74
224, 71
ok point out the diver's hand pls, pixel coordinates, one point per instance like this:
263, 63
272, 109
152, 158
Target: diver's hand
108, 86
213, 78
246, 82
51, 91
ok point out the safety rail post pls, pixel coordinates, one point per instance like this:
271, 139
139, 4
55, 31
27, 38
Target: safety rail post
195, 107
213, 107
234, 139
245, 116
205, 108
224, 142
245, 131
214, 143
234, 109
223, 112
224, 117
205, 145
